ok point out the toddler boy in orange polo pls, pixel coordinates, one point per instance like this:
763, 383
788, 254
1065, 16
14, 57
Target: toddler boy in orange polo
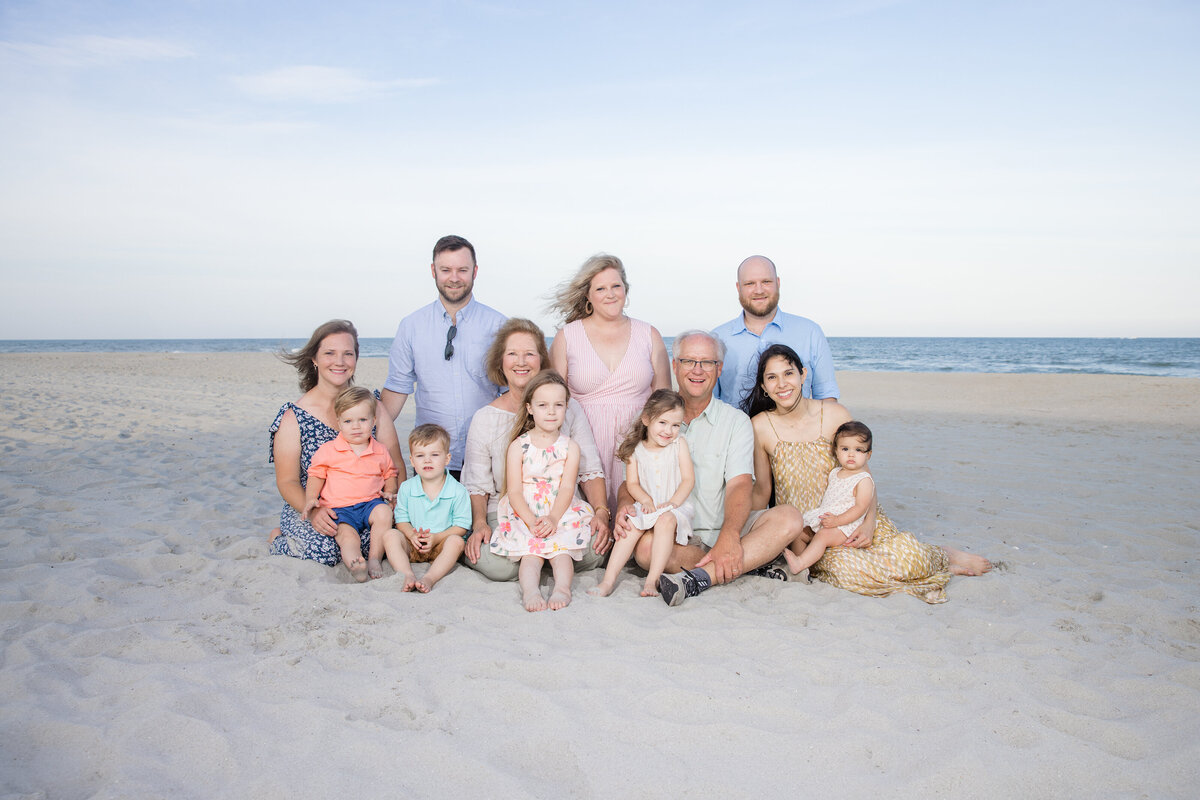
353, 474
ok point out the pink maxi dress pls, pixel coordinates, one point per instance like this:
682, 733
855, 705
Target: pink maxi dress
610, 399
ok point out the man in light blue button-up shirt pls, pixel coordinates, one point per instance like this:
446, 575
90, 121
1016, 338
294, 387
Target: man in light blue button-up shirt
439, 349
760, 325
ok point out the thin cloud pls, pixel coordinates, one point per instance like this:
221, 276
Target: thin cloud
321, 84
93, 51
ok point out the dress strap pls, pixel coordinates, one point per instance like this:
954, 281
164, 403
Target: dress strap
772, 424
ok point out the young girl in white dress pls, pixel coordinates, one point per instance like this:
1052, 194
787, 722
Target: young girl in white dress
848, 497
659, 477
540, 518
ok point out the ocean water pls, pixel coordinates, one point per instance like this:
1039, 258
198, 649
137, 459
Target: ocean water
1178, 358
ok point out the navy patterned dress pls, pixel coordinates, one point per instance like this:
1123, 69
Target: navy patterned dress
298, 538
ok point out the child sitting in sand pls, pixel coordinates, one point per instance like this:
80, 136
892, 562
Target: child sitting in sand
433, 512
540, 518
354, 475
848, 496
660, 478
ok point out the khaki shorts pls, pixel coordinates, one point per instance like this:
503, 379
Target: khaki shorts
750, 520
415, 556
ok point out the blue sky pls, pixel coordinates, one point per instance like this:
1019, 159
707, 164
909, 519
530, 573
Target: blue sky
210, 169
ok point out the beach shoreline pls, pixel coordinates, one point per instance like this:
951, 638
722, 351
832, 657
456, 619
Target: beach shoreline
152, 646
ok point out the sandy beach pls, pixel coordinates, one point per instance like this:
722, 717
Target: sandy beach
152, 648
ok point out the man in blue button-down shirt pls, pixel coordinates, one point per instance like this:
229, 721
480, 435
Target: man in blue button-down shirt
439, 350
760, 325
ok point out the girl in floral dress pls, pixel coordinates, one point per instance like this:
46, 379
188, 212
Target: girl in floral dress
536, 521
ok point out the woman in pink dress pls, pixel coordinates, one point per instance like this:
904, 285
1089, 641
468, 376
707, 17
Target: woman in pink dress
611, 362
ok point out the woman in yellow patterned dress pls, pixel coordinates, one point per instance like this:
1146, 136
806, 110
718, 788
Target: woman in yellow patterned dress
792, 451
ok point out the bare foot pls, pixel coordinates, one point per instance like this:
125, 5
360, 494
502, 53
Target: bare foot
602, 590
410, 582
793, 561
271, 536
965, 563
374, 568
560, 598
534, 601
422, 587
358, 569
650, 589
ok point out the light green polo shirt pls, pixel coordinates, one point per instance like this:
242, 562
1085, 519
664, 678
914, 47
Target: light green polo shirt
452, 506
721, 441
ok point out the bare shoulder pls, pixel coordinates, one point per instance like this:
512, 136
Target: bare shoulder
834, 414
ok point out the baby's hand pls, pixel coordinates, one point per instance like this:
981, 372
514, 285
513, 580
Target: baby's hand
825, 523
390, 498
308, 509
648, 508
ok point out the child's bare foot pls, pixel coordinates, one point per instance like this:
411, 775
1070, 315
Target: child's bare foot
965, 563
793, 561
374, 568
650, 589
534, 601
410, 582
422, 586
602, 589
358, 568
560, 598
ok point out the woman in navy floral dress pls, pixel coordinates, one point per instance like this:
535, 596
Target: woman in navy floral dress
326, 366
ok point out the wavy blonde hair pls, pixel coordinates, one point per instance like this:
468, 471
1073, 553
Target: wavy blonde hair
571, 299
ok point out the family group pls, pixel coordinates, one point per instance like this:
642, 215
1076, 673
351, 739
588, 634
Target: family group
524, 454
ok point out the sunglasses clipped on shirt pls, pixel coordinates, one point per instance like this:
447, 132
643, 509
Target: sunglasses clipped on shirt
450, 334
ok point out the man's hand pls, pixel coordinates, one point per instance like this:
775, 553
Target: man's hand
623, 527
724, 561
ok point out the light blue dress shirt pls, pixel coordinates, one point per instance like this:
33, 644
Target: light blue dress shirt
742, 349
448, 392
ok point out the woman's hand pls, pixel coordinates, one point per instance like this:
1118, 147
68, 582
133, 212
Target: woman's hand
323, 520
601, 538
861, 537
482, 533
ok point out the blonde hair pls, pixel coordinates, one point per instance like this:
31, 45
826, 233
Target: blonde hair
493, 362
571, 300
524, 421
428, 434
351, 396
659, 403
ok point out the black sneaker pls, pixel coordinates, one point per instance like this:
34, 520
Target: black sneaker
775, 571
678, 587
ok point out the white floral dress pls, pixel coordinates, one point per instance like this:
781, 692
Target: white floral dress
541, 479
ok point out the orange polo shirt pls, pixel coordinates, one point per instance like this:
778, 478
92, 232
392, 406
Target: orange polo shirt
349, 477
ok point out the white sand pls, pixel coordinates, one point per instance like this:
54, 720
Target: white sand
152, 648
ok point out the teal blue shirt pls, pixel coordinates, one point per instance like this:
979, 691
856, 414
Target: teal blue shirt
451, 508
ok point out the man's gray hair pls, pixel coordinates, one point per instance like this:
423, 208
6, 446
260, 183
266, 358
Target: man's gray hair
707, 335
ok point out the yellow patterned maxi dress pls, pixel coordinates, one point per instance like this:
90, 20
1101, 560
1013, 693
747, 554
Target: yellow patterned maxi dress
895, 561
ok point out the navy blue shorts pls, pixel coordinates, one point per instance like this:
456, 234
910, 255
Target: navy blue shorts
358, 515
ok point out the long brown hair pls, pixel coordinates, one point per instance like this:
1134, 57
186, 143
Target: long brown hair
302, 359
659, 403
524, 421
